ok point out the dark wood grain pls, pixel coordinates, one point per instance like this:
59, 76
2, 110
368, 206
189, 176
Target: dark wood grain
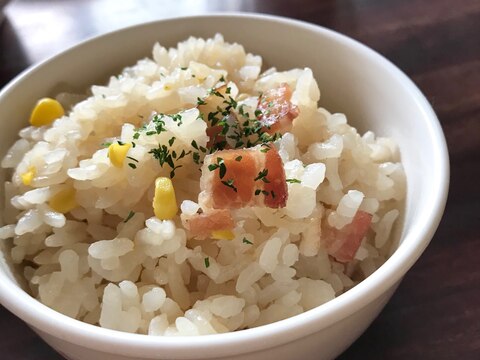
435, 314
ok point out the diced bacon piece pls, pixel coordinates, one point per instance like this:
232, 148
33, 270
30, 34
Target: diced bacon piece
343, 243
278, 112
232, 179
202, 225
214, 135
277, 185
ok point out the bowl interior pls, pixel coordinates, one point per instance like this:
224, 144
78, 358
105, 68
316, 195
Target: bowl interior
354, 80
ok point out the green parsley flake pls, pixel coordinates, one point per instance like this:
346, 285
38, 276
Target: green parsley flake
196, 157
129, 216
262, 175
246, 241
229, 183
212, 167
222, 167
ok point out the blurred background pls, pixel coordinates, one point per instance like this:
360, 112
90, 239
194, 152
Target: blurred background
435, 314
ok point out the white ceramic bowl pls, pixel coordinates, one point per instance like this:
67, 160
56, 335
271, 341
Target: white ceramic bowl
353, 79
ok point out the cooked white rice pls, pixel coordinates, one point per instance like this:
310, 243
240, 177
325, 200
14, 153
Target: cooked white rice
146, 275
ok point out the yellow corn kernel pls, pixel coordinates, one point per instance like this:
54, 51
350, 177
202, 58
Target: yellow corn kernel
164, 201
223, 235
28, 176
117, 153
63, 201
46, 111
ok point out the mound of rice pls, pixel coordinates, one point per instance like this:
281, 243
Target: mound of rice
112, 263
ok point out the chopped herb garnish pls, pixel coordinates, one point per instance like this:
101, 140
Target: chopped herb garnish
273, 194
163, 155
177, 118
238, 158
129, 216
246, 241
212, 167
200, 101
216, 93
241, 112
262, 175
258, 113
159, 123
132, 158
223, 168
219, 146
231, 102
207, 262
225, 127
257, 192
293, 181
219, 165
196, 157
265, 148
132, 165
194, 144
172, 173
106, 144
239, 144
229, 89
222, 79
229, 183
211, 115
136, 136
148, 133
171, 141
183, 154
120, 142
183, 68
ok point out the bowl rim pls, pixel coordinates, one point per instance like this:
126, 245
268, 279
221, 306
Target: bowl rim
415, 241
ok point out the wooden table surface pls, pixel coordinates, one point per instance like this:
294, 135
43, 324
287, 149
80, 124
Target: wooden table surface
435, 314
